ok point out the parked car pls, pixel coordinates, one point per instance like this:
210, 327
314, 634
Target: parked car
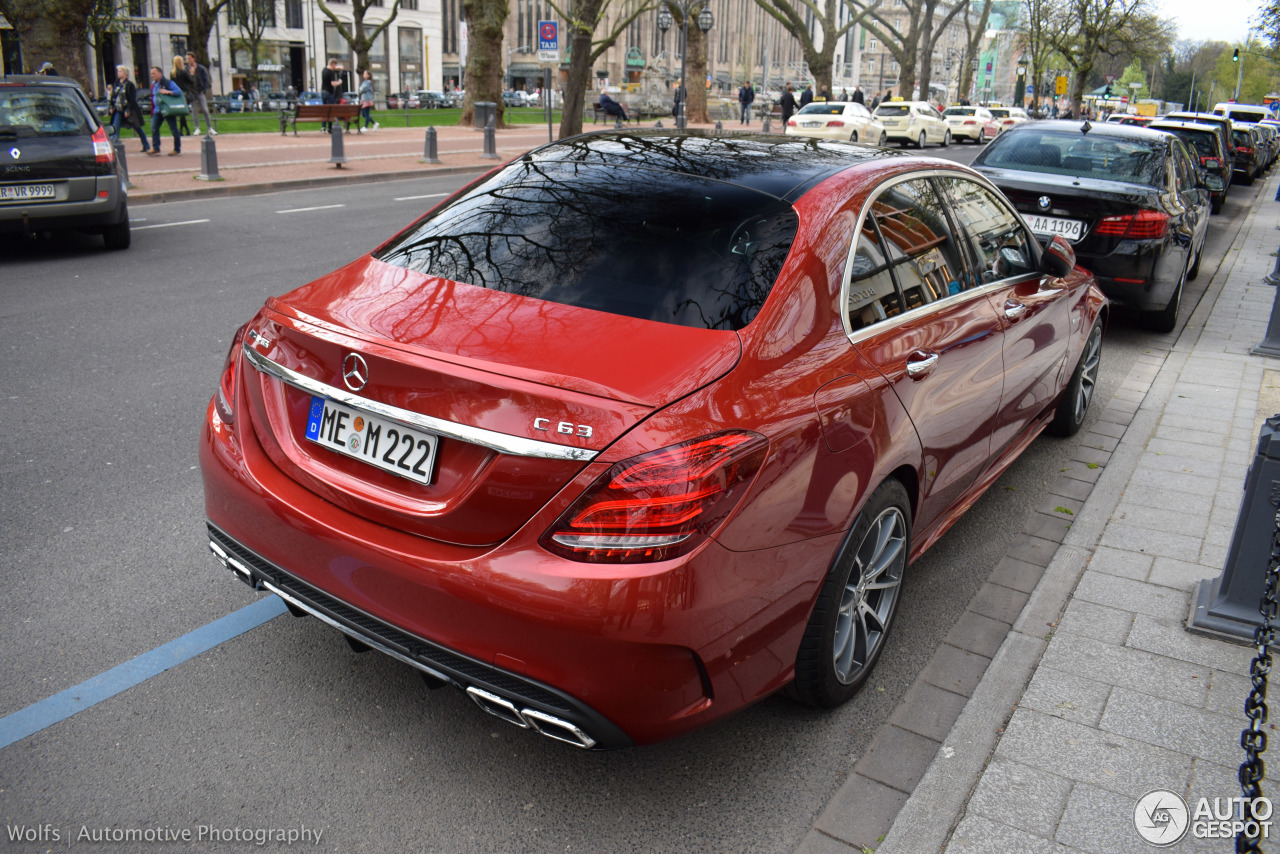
972, 123
1009, 117
310, 97
1222, 123
844, 120
432, 100
515, 98
58, 166
1248, 163
402, 100
1130, 119
913, 123
1251, 113
1134, 202
1205, 143
1268, 141
728, 388
276, 101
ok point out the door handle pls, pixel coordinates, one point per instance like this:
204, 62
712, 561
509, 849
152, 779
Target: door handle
1014, 310
919, 365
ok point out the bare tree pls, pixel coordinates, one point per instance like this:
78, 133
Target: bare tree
973, 48
582, 19
1081, 31
106, 18
912, 47
252, 17
52, 31
201, 15
795, 16
929, 36
355, 35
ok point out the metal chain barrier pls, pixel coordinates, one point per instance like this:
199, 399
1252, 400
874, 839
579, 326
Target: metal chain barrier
1254, 738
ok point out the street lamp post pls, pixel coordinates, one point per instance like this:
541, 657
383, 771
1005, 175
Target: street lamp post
705, 21
1022, 83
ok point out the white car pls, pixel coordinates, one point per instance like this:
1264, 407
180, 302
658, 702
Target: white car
1009, 117
913, 123
972, 123
837, 120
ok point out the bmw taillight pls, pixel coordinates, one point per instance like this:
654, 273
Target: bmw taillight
103, 150
1245, 149
225, 402
659, 505
1144, 225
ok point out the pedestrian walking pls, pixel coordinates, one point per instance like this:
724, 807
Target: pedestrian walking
788, 104
678, 102
806, 96
187, 84
161, 86
858, 97
124, 106
875, 100
366, 101
204, 86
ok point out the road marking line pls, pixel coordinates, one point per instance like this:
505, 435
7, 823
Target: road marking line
317, 208
167, 224
94, 690
413, 198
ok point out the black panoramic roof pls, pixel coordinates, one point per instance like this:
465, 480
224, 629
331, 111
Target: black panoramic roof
781, 166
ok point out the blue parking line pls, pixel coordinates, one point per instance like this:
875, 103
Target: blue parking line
77, 698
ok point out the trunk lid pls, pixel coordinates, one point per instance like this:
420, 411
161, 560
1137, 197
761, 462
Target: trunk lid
524, 392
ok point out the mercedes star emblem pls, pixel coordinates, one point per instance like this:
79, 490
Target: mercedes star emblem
355, 371
1044, 202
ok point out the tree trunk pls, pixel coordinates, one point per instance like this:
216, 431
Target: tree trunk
52, 31
200, 18
484, 56
578, 83
966, 74
695, 109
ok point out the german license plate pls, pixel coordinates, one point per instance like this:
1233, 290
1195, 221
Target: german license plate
812, 124
385, 444
1048, 226
26, 192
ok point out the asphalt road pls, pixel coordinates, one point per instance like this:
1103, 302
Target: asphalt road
111, 361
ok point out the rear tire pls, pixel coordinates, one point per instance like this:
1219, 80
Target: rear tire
1166, 318
920, 141
855, 608
853, 137
1195, 268
1076, 397
884, 140
946, 138
118, 236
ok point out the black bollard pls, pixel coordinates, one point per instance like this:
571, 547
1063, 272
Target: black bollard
766, 125
1270, 345
337, 156
490, 140
208, 160
1228, 606
124, 164
719, 127
658, 124
429, 152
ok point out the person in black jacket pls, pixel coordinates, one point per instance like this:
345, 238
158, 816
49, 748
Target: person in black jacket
124, 106
203, 88
788, 104
612, 107
807, 95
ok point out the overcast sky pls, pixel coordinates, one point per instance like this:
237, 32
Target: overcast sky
1211, 20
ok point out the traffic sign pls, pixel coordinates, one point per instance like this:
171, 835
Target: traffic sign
548, 35
1111, 78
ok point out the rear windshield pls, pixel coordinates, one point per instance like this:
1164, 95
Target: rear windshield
643, 243
32, 112
1134, 161
999, 113
1243, 137
960, 111
1204, 143
821, 109
893, 110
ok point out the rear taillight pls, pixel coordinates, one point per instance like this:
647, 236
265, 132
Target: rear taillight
225, 402
1244, 150
835, 124
1144, 225
103, 150
791, 123
970, 122
659, 505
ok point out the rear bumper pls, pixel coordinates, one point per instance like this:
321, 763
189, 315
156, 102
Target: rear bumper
1154, 264
93, 213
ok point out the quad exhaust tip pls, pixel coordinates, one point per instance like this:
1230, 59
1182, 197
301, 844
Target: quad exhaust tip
540, 722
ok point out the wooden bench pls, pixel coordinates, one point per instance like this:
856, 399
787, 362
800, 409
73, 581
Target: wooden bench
598, 114
325, 113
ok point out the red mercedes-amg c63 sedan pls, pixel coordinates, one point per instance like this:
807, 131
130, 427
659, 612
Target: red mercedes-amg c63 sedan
643, 427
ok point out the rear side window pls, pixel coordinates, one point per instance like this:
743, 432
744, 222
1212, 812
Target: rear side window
35, 112
960, 111
906, 255
644, 243
1204, 143
998, 243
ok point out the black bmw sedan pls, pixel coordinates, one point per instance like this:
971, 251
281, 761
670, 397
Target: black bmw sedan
1134, 203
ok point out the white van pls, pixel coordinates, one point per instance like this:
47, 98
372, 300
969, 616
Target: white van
1242, 112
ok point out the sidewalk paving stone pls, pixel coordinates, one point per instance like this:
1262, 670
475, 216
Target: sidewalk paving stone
1196, 732
1038, 805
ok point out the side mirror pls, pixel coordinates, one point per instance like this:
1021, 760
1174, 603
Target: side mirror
1058, 258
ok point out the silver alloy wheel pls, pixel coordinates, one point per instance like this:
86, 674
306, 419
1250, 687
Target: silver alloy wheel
1089, 364
867, 602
